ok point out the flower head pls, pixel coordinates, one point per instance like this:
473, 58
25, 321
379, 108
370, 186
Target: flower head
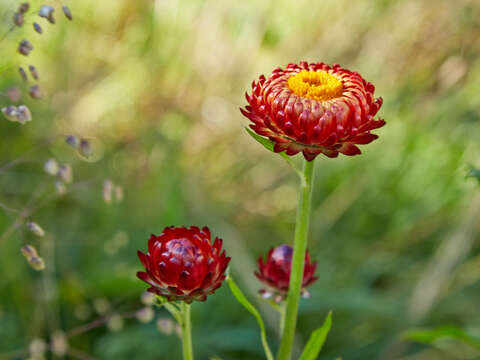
275, 272
183, 264
314, 109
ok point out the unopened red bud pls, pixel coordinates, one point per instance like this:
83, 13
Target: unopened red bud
35, 92
67, 12
37, 28
33, 71
18, 19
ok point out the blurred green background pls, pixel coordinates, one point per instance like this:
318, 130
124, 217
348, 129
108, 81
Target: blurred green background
156, 86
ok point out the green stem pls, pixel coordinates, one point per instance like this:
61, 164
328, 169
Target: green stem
298, 262
186, 325
283, 308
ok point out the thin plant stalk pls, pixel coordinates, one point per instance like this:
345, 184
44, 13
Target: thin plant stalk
298, 261
186, 325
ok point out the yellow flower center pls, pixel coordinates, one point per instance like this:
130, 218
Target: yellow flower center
317, 85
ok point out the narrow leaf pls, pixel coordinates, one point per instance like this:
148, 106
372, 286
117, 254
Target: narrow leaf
252, 310
317, 339
268, 144
429, 336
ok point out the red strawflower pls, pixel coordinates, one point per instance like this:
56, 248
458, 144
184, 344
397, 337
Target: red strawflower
275, 272
314, 108
182, 264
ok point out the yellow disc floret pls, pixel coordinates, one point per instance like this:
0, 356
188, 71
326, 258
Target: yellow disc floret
317, 85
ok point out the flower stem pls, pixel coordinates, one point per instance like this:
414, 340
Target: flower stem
298, 262
186, 325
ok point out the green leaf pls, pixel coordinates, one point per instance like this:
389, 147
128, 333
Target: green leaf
268, 144
251, 309
317, 339
170, 306
429, 336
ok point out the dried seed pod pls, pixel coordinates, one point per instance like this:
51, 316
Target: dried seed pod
37, 347
10, 113
29, 251
37, 28
23, 8
14, 94
65, 173
35, 229
85, 148
35, 92
33, 71
23, 114
51, 167
118, 193
145, 315
72, 140
18, 19
165, 326
37, 263
67, 12
147, 298
60, 188
59, 344
107, 191
25, 47
23, 73
46, 12
115, 323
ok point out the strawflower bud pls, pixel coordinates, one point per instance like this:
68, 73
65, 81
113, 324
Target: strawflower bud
23, 114
165, 326
72, 140
67, 12
275, 272
182, 264
85, 148
23, 8
60, 188
46, 12
29, 251
18, 19
147, 298
23, 73
25, 47
14, 94
37, 28
33, 71
35, 92
37, 263
65, 173
10, 113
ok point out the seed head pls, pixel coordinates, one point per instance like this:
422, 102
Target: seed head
18, 19
25, 47
37, 347
60, 188
23, 73
33, 71
23, 114
67, 12
29, 251
107, 191
14, 94
36, 263
165, 326
59, 344
46, 12
37, 28
145, 315
65, 173
35, 92
23, 8
72, 140
35, 229
85, 148
51, 167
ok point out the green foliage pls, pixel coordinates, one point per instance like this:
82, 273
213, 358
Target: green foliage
252, 310
317, 339
430, 336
